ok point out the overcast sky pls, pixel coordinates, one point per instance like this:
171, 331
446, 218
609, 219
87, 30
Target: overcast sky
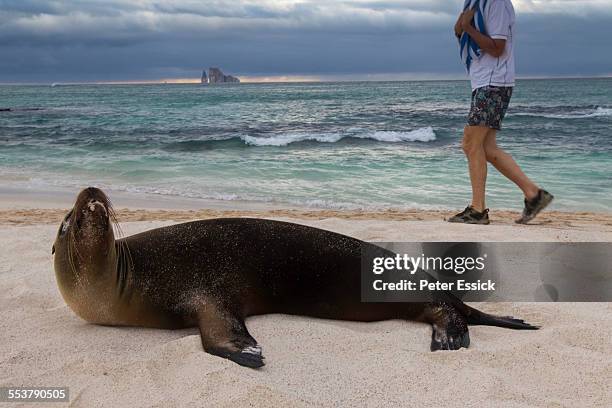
115, 40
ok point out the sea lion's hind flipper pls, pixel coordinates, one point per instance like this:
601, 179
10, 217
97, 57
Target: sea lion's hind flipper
509, 322
226, 336
450, 329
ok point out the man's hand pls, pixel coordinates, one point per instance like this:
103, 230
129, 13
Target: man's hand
458, 28
466, 19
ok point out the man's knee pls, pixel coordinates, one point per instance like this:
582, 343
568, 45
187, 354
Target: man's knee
492, 153
473, 139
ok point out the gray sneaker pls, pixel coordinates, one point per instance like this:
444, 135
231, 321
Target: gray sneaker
534, 206
471, 216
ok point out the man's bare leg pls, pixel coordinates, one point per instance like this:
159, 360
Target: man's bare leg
506, 165
473, 147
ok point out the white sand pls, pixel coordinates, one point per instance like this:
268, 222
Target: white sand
310, 362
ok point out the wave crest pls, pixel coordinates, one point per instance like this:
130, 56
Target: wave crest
598, 112
426, 134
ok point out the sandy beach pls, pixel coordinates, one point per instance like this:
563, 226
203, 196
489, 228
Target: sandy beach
310, 362
380, 120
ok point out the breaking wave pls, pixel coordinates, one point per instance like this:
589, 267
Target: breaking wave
426, 134
578, 114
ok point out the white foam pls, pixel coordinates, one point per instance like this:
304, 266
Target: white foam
286, 139
602, 111
425, 134
599, 112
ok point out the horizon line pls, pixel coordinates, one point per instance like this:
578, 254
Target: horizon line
272, 79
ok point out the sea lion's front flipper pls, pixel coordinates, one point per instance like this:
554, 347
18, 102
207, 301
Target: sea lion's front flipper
226, 336
450, 328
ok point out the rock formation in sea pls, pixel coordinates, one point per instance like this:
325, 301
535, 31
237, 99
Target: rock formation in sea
216, 76
204, 79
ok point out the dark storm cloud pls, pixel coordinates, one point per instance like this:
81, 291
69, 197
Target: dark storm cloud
142, 39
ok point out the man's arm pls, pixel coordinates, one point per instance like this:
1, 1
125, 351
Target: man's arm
458, 28
493, 47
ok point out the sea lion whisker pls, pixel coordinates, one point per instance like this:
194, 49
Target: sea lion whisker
124, 265
130, 260
71, 250
113, 218
123, 248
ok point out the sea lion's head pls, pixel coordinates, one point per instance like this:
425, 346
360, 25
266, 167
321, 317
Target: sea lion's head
86, 234
91, 214
86, 255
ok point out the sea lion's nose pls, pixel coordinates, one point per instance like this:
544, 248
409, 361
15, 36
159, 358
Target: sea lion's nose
94, 205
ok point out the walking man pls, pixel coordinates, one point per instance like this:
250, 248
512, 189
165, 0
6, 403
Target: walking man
485, 31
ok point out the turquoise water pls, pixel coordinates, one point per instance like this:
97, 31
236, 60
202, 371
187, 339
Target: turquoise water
332, 145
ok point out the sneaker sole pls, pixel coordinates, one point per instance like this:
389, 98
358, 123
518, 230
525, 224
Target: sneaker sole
545, 203
487, 222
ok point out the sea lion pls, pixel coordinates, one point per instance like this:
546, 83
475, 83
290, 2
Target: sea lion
215, 273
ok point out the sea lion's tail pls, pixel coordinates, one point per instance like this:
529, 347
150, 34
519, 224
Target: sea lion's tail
478, 318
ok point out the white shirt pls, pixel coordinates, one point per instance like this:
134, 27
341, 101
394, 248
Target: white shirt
496, 71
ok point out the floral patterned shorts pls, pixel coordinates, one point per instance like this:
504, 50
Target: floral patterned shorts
489, 106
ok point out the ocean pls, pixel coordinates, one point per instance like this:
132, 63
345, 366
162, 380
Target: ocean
348, 145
